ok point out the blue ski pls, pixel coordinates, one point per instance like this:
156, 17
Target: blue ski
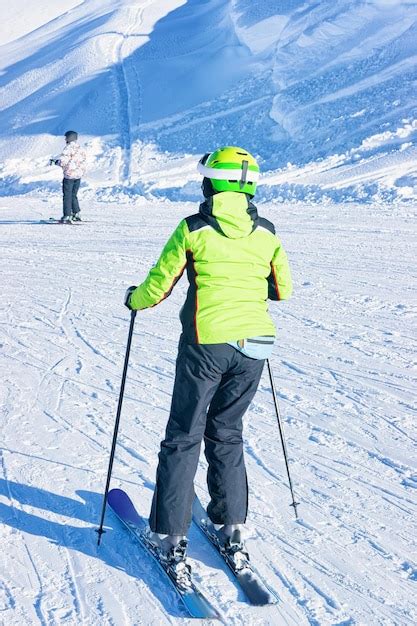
251, 582
191, 597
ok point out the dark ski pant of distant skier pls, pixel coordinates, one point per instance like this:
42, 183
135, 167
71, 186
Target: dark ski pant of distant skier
221, 379
70, 187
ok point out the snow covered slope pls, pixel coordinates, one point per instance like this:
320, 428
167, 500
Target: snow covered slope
344, 370
297, 82
324, 94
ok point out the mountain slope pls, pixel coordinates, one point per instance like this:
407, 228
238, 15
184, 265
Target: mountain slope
312, 81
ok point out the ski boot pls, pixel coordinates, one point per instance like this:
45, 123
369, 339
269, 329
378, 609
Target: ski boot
65, 219
231, 545
171, 550
76, 217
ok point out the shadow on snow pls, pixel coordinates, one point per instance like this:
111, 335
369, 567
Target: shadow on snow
85, 508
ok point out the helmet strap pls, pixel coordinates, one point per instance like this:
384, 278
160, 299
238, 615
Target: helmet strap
207, 188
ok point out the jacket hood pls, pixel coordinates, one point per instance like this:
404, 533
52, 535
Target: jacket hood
230, 213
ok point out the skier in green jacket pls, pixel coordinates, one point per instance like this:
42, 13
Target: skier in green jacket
234, 262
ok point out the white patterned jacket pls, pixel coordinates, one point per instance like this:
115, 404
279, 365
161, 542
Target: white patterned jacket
72, 160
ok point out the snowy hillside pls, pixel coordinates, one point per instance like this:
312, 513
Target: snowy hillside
324, 94
328, 84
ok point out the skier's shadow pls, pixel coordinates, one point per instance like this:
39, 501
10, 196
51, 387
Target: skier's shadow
38, 222
117, 549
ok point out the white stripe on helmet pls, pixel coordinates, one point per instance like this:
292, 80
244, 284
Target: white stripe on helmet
218, 174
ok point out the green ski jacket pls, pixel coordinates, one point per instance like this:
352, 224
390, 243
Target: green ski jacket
234, 262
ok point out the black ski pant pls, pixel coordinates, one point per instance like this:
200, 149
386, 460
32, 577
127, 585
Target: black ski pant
70, 187
214, 385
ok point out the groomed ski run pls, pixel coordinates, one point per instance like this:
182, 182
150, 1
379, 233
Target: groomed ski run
324, 95
346, 389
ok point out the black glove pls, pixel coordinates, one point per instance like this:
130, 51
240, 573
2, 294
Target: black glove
127, 296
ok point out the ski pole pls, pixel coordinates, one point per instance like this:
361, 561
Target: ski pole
281, 433
100, 530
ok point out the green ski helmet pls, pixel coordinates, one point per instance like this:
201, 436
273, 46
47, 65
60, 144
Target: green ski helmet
230, 169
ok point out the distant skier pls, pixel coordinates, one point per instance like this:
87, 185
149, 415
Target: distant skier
234, 262
73, 161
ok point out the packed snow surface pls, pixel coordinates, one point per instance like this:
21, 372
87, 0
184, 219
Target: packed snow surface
343, 366
323, 93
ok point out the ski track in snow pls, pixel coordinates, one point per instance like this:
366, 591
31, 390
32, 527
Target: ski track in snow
345, 377
133, 21
115, 46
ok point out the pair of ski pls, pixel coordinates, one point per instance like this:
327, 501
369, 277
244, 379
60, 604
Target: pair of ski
193, 599
53, 220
